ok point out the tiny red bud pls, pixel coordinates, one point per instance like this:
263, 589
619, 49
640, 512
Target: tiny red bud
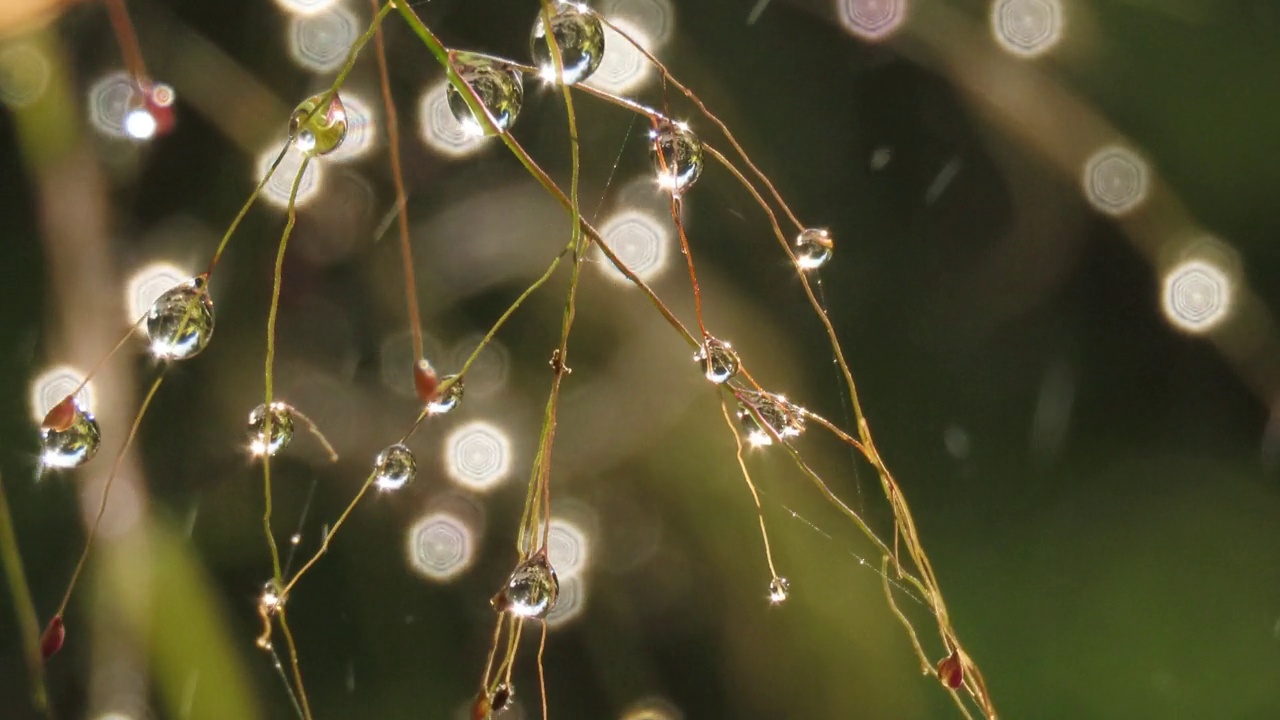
480, 709
54, 634
60, 416
425, 381
951, 671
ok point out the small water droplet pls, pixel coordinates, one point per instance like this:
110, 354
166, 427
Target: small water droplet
719, 361
677, 155
281, 429
785, 418
502, 697
318, 129
295, 539
813, 248
499, 86
779, 589
180, 321
449, 399
531, 590
394, 468
69, 436
579, 36
271, 600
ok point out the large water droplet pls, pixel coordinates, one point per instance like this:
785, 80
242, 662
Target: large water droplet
579, 36
499, 86
719, 361
502, 697
394, 468
779, 589
281, 429
180, 322
785, 418
317, 127
69, 436
271, 599
677, 155
813, 248
449, 399
531, 590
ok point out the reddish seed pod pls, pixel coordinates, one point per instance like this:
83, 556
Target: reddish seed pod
425, 381
950, 671
480, 708
60, 416
159, 100
54, 634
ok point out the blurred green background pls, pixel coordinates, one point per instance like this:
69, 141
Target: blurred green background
1098, 491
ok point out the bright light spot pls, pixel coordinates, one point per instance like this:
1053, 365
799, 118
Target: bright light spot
623, 67
570, 601
566, 548
440, 130
110, 99
1115, 180
320, 41
441, 546
53, 385
640, 241
1197, 296
140, 124
305, 7
24, 74
651, 22
362, 130
477, 456
872, 19
276, 191
1027, 27
147, 285
652, 709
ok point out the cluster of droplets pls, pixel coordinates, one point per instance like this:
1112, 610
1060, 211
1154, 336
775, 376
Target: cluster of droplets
69, 436
319, 124
531, 590
781, 415
719, 362
394, 468
677, 155
281, 433
180, 321
579, 36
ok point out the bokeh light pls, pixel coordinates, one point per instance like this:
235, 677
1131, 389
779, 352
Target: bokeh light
872, 19
571, 601
441, 546
305, 7
654, 20
320, 41
567, 548
623, 67
1115, 180
109, 101
439, 129
477, 455
1027, 28
146, 285
24, 74
488, 374
652, 709
53, 385
1197, 296
640, 240
276, 191
362, 130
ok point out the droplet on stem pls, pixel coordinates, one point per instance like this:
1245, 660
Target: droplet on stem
318, 128
281, 429
677, 155
813, 248
180, 322
579, 36
69, 436
785, 418
498, 85
779, 589
502, 697
55, 633
271, 599
531, 590
394, 468
719, 361
446, 400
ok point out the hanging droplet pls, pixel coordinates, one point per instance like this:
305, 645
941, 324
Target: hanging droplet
271, 599
951, 671
180, 322
499, 86
502, 697
449, 399
786, 419
281, 429
531, 590
317, 128
69, 436
55, 633
394, 468
779, 589
579, 36
677, 155
719, 361
813, 248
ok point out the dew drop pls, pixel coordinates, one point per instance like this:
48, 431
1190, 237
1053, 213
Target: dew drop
779, 589
318, 130
785, 418
677, 155
502, 697
813, 248
271, 599
69, 436
719, 361
579, 36
499, 86
394, 468
281, 429
180, 321
531, 590
449, 399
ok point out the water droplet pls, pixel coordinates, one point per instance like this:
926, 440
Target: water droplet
318, 130
271, 598
779, 589
579, 36
69, 436
394, 468
499, 86
281, 429
677, 155
531, 590
180, 322
719, 361
813, 248
449, 399
502, 697
785, 418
